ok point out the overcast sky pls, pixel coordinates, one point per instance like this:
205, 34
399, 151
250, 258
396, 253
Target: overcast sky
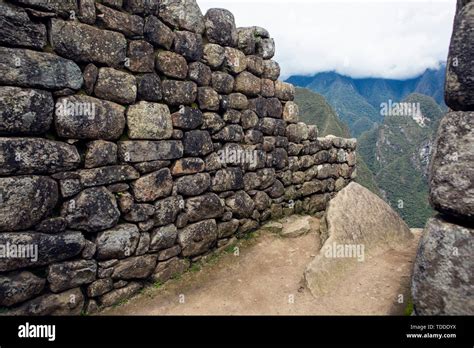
360, 38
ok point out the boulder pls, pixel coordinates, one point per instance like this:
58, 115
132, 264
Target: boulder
182, 14
36, 156
222, 82
163, 237
149, 87
241, 205
171, 64
193, 185
118, 242
189, 45
208, 99
197, 238
26, 68
197, 143
129, 25
84, 117
442, 276
116, 86
228, 179
100, 287
452, 173
178, 93
360, 223
248, 84
137, 267
144, 150
158, 33
213, 55
92, 210
220, 27
19, 287
70, 274
153, 186
200, 73
227, 229
100, 153
284, 91
167, 209
87, 44
265, 48
235, 60
116, 296
246, 40
33, 249
141, 57
25, 201
25, 111
296, 226
203, 207
169, 269
187, 118
149, 121
271, 71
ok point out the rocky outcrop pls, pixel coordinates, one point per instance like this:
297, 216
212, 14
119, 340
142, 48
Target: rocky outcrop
442, 282
357, 223
137, 137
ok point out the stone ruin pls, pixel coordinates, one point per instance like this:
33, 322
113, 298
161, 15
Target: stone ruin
443, 279
137, 136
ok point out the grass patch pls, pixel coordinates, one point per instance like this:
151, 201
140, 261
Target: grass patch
408, 308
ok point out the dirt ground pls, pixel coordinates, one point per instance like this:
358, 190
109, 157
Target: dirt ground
266, 278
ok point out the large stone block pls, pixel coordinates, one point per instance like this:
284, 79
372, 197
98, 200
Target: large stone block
171, 64
70, 274
87, 44
116, 86
452, 171
36, 156
25, 111
145, 150
84, 117
178, 93
220, 27
19, 287
443, 281
197, 238
203, 207
118, 242
138, 267
61, 7
26, 68
32, 249
228, 179
129, 25
153, 186
182, 14
149, 121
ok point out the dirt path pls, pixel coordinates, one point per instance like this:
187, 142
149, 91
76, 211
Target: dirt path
266, 278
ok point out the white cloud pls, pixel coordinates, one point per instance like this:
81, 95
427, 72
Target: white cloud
359, 38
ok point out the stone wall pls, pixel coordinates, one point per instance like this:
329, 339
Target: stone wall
443, 279
137, 136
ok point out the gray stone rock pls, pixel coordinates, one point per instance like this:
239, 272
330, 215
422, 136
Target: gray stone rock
70, 302
61, 7
149, 121
87, 13
212, 122
213, 55
231, 133
186, 166
70, 274
193, 185
50, 248
36, 156
291, 112
208, 99
197, 238
197, 143
90, 78
153, 186
100, 287
265, 48
100, 153
271, 70
84, 117
158, 33
220, 27
298, 132
442, 276
145, 150
19, 287
92, 210
163, 237
187, 118
167, 209
26, 68
18, 30
452, 173
235, 60
189, 45
52, 225
140, 56
262, 201
228, 179
141, 7
200, 73
106, 175
241, 205
274, 108
137, 267
248, 84
179, 92
268, 88
116, 296
459, 88
284, 91
87, 44
171, 64
118, 242
152, 166
182, 14
149, 87
140, 213
116, 86
129, 25
169, 269
222, 82
203, 207
227, 229
246, 40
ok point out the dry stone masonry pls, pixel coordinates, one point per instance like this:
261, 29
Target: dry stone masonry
443, 279
137, 136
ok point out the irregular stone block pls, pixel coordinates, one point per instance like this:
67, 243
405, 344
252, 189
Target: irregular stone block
284, 91
87, 13
33, 249
153, 186
25, 68
169, 269
118, 242
220, 27
207, 206
149, 121
149, 87
179, 92
167, 209
200, 73
197, 238
247, 84
87, 44
241, 205
189, 45
70, 274
182, 14
193, 185
213, 55
100, 287
116, 86
36, 156
163, 237
92, 210
452, 173
246, 40
127, 24
61, 7
171, 64
158, 33
265, 48
18, 30
106, 175
84, 117
100, 153
187, 166
197, 143
118, 295
222, 82
144, 150
141, 57
442, 276
138, 267
25, 111
19, 287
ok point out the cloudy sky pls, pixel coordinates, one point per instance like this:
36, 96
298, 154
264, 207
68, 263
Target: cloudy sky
360, 38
